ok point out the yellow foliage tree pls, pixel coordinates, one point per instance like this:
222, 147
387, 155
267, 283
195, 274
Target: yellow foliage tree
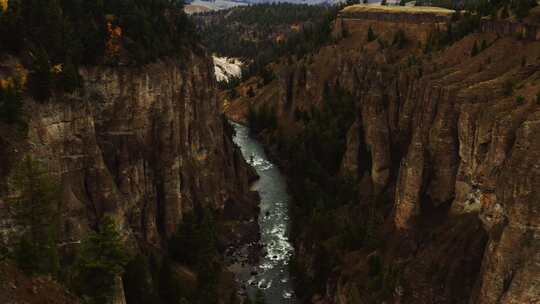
4, 5
114, 42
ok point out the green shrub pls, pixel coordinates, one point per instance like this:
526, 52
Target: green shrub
474, 50
399, 39
522, 8
371, 34
259, 297
484, 45
139, 283
508, 88
35, 209
41, 78
261, 119
69, 79
250, 92
11, 103
101, 260
171, 286
520, 100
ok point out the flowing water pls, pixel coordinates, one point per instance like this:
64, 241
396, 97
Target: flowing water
271, 275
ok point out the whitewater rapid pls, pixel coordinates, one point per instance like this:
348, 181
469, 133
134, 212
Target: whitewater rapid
271, 275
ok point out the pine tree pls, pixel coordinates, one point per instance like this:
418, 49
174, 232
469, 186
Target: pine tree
371, 35
10, 102
41, 77
474, 50
399, 39
208, 267
504, 12
259, 297
35, 210
102, 259
70, 79
250, 92
508, 88
138, 281
484, 45
523, 7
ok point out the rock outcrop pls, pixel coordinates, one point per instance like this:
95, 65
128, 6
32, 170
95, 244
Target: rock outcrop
456, 152
143, 144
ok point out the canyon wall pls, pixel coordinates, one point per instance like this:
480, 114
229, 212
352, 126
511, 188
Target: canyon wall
145, 145
452, 138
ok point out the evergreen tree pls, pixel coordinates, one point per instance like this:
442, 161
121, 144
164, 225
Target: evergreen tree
267, 75
41, 77
371, 35
250, 92
484, 45
259, 297
233, 93
184, 238
474, 50
35, 210
504, 12
102, 259
70, 79
508, 88
428, 47
399, 39
138, 282
523, 7
10, 102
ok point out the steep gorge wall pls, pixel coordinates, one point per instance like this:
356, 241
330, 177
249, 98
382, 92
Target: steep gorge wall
143, 144
456, 153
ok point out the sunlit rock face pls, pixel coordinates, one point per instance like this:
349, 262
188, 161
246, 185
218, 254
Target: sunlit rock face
144, 144
227, 68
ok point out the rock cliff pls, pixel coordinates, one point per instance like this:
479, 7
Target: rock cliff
450, 139
143, 144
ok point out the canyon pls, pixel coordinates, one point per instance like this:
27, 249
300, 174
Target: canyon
444, 144
434, 197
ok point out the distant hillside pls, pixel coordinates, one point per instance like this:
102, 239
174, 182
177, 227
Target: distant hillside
226, 4
260, 34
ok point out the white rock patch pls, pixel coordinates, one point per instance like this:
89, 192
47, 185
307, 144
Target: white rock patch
227, 68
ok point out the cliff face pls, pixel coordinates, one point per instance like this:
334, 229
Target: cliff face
144, 144
456, 153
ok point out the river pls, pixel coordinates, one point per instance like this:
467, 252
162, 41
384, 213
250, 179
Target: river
271, 274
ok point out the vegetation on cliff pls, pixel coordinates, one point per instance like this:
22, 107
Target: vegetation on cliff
10, 101
312, 161
55, 37
42, 46
100, 264
260, 34
429, 115
35, 209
